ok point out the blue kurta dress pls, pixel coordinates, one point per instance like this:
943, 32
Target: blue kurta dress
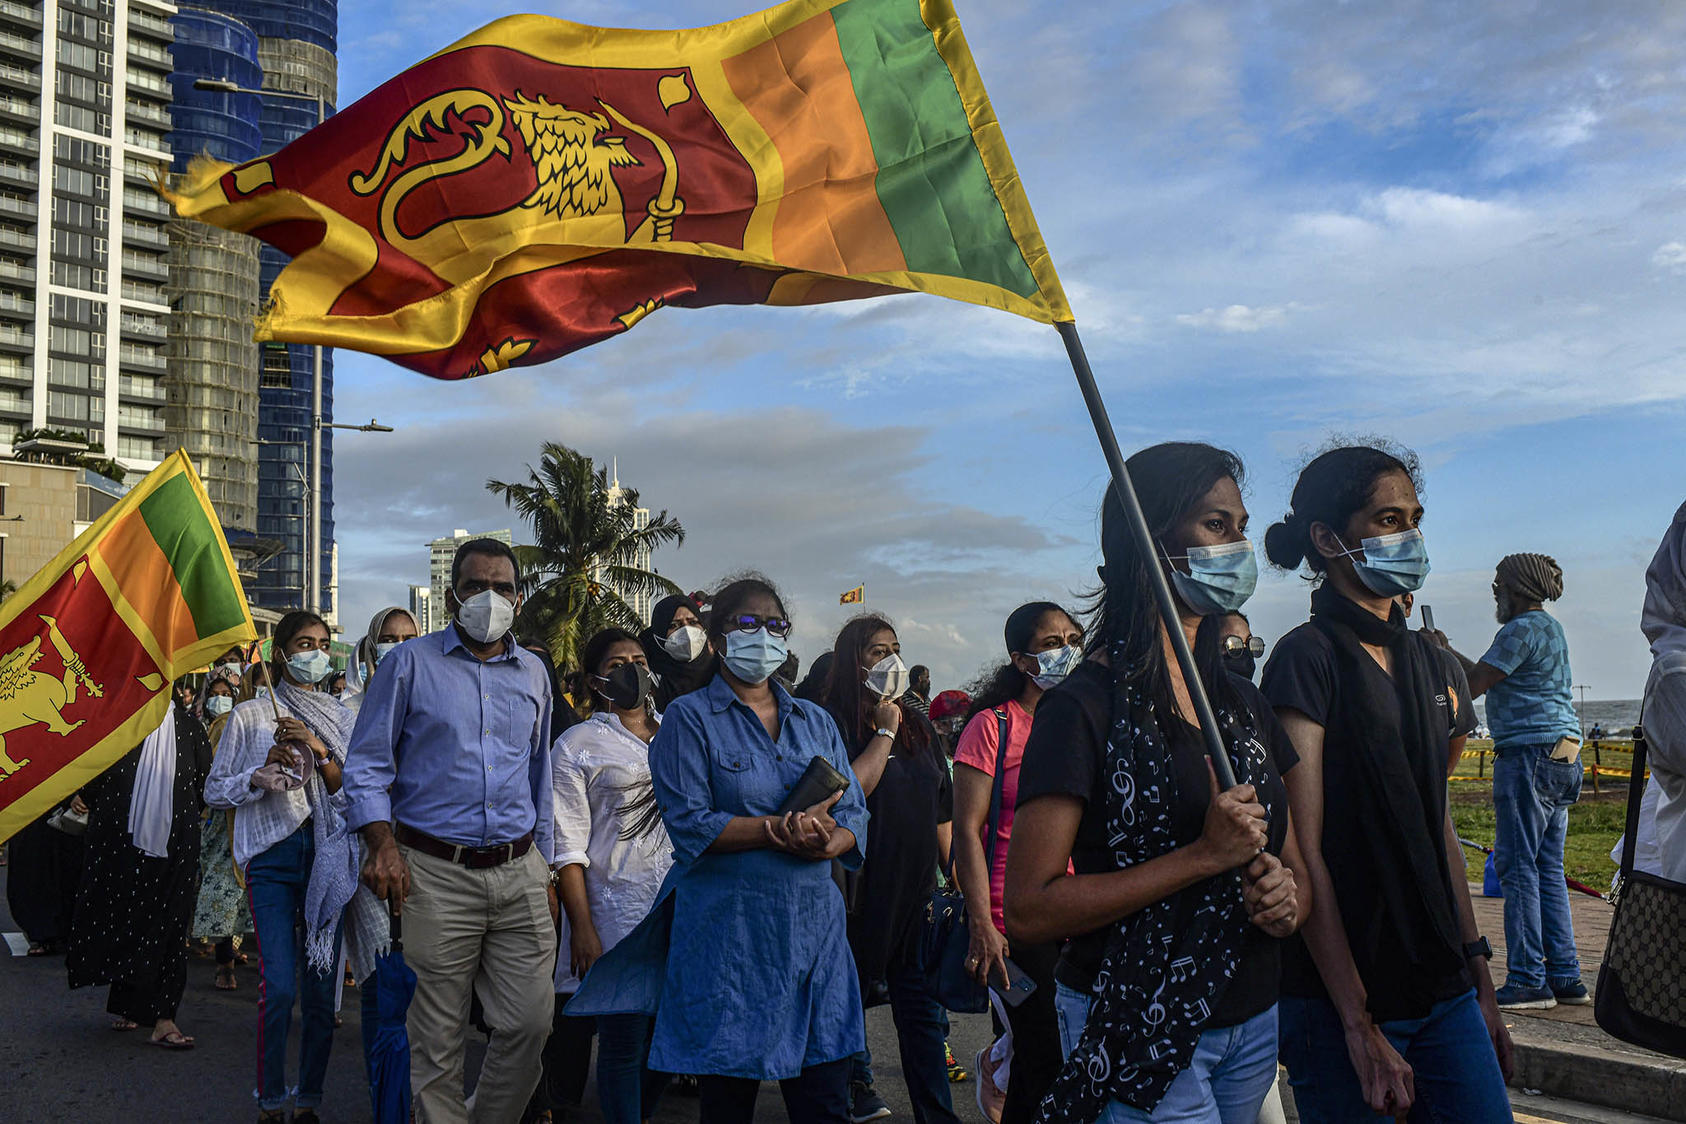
758, 980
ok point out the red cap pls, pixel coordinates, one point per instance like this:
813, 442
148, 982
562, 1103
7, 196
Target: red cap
950, 704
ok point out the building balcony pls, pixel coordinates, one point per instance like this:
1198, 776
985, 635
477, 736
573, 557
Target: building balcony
26, 47
13, 239
140, 390
143, 328
137, 359
16, 306
15, 77
13, 13
147, 113
145, 236
146, 80
147, 53
21, 273
19, 111
139, 420
17, 141
14, 338
140, 265
155, 25
17, 209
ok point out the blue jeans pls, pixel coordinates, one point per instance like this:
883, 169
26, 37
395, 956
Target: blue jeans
626, 1088
1531, 798
1225, 1083
1454, 1070
276, 882
921, 1030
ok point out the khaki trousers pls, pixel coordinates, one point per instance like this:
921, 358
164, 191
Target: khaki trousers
486, 931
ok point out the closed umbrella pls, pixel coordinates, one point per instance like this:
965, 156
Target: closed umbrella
389, 1054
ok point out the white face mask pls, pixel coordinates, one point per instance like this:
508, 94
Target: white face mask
686, 643
888, 678
487, 616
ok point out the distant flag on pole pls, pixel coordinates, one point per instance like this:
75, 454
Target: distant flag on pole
854, 596
90, 646
541, 185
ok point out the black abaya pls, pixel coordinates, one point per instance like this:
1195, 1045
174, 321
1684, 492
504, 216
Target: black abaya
44, 866
132, 910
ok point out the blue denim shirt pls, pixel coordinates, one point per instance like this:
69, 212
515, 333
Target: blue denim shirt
744, 960
454, 746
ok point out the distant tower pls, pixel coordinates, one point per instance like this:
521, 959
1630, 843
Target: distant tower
639, 603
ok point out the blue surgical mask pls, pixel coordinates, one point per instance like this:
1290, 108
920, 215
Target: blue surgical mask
1054, 664
218, 705
384, 650
1220, 578
310, 667
1391, 564
754, 656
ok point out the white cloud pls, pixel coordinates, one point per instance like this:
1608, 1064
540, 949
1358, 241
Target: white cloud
1670, 256
1237, 317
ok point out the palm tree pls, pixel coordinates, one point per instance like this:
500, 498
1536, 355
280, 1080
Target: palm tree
584, 557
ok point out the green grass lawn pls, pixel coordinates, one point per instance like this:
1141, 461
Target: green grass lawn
1594, 824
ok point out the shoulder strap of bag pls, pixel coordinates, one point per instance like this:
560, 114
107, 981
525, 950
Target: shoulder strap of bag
997, 788
1635, 794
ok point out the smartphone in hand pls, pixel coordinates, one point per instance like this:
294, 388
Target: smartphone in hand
1019, 985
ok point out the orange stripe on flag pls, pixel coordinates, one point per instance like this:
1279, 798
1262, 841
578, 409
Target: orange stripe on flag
798, 88
147, 582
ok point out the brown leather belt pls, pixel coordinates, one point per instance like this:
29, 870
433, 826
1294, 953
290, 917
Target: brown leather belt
474, 858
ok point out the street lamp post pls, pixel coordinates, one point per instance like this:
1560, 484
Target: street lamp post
313, 583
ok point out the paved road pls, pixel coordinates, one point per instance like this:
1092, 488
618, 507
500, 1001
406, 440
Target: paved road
61, 1063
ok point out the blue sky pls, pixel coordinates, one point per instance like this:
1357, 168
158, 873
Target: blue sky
1457, 226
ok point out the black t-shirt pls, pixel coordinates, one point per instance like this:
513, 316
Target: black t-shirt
1301, 675
893, 887
1067, 756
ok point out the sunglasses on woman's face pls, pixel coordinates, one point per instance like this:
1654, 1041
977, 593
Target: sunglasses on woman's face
1235, 645
750, 622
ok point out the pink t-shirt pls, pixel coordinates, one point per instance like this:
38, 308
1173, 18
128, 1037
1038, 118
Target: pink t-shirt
979, 744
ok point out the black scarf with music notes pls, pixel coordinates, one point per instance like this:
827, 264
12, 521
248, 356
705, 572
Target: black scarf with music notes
1165, 966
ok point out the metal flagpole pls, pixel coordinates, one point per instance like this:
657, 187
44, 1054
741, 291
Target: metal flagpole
1146, 548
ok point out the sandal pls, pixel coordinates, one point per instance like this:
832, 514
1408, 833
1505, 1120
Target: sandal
39, 949
124, 1024
175, 1040
225, 979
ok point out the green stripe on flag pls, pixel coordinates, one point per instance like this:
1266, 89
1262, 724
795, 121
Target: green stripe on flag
184, 532
931, 180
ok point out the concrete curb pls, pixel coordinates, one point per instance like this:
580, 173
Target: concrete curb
1648, 1085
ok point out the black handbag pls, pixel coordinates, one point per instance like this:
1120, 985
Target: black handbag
948, 935
1641, 997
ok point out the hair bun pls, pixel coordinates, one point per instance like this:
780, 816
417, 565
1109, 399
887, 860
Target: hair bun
1285, 543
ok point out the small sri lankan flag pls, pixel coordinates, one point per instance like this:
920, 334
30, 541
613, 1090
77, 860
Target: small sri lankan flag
854, 596
90, 646
543, 185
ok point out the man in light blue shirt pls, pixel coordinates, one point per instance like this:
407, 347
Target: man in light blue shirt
1536, 777
448, 778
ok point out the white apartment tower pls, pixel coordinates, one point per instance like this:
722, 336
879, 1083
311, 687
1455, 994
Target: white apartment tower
84, 245
639, 603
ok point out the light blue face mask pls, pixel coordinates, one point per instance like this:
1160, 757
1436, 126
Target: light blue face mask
310, 667
754, 656
1054, 664
384, 650
1390, 565
1220, 578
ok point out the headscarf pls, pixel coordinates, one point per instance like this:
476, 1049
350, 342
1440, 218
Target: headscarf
333, 884
224, 673
1663, 619
152, 803
1532, 577
362, 666
672, 677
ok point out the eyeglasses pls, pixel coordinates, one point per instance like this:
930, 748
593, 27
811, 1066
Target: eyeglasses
1235, 645
750, 622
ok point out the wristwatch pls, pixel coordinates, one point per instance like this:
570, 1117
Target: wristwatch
885, 733
1480, 946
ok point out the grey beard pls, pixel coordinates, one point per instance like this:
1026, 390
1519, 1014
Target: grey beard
1505, 610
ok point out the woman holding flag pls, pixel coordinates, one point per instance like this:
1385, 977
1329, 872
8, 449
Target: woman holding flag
278, 766
1166, 992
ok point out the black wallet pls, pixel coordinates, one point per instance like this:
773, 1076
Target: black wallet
818, 781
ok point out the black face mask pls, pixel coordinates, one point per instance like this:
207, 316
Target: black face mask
627, 686
1240, 662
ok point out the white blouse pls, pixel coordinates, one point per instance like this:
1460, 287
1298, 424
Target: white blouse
596, 769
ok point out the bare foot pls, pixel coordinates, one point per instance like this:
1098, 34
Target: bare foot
225, 978
123, 1024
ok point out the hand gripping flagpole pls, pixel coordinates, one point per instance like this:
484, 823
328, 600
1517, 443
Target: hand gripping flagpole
1144, 546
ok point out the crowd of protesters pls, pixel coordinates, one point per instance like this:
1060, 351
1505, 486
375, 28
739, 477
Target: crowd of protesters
714, 870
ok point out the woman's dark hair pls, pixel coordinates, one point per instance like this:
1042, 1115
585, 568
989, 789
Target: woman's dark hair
1206, 637
846, 695
812, 686
1008, 682
286, 629
1334, 487
1170, 480
728, 603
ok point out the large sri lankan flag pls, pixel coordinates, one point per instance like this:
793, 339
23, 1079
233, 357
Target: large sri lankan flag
90, 645
543, 185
